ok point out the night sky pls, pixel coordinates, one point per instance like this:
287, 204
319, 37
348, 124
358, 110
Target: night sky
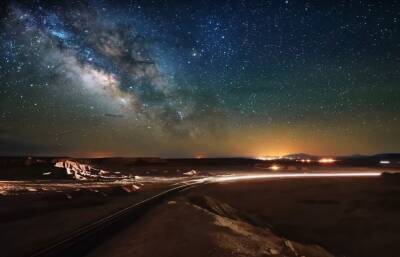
208, 78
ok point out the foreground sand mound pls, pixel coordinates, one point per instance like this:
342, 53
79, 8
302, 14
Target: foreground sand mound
184, 228
251, 240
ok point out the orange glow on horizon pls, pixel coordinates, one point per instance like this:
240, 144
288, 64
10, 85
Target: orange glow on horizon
327, 160
200, 156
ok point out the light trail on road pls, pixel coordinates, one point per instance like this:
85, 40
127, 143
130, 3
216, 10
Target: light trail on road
82, 240
290, 175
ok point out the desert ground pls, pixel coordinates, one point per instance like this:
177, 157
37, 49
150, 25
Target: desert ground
353, 217
313, 217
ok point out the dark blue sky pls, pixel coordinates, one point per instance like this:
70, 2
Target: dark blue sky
212, 77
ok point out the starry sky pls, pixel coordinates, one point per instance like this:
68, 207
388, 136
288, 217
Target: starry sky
199, 78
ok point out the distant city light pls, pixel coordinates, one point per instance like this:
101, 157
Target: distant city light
326, 160
274, 167
384, 162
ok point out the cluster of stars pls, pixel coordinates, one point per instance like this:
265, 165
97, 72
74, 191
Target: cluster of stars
193, 71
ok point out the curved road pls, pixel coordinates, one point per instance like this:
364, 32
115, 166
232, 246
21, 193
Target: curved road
81, 241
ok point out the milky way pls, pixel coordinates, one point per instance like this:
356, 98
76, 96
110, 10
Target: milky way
107, 58
181, 79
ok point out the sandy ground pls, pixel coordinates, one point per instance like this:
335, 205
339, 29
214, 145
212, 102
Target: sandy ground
352, 217
355, 217
31, 221
321, 217
182, 228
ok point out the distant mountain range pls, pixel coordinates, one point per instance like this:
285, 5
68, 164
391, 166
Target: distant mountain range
388, 156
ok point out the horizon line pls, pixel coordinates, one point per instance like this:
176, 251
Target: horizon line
189, 157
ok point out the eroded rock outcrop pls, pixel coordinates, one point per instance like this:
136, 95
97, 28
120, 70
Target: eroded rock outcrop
86, 172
